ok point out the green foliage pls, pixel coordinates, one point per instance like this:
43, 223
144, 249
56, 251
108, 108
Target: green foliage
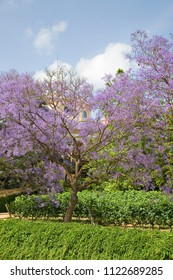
6, 200
118, 208
40, 240
114, 185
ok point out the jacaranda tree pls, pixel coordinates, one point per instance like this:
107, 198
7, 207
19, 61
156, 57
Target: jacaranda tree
143, 101
48, 117
154, 57
52, 119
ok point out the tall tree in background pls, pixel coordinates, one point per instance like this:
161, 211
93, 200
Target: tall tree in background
154, 57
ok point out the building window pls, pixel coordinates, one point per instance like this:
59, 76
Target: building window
84, 114
66, 109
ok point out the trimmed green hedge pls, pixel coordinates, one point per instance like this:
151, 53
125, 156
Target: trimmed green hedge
118, 208
40, 240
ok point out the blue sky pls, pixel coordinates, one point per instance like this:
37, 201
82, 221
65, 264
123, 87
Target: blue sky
92, 36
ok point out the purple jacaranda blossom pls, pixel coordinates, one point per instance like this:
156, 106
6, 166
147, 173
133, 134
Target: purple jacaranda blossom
55, 203
168, 190
132, 121
42, 204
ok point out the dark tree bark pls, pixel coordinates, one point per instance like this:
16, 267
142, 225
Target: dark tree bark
71, 206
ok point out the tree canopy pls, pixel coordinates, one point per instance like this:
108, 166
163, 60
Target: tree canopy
128, 135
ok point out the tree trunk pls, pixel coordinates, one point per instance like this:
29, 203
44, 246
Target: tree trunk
71, 206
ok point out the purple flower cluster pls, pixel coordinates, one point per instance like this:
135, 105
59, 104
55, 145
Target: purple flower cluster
130, 132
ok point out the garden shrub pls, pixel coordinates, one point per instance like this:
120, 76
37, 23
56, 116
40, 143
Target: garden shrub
46, 240
118, 208
6, 200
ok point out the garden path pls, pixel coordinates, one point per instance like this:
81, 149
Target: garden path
4, 215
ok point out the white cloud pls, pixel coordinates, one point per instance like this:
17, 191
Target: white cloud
44, 40
41, 75
95, 68
107, 62
56, 63
60, 27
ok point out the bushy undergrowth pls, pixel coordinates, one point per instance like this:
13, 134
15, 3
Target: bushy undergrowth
39, 240
6, 200
119, 208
